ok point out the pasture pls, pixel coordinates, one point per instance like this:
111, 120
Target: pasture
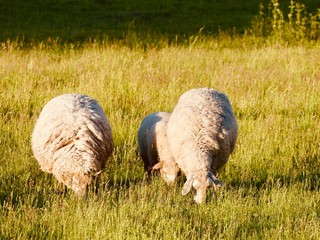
271, 183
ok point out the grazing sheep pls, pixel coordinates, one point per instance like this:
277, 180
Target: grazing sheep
72, 139
202, 133
153, 146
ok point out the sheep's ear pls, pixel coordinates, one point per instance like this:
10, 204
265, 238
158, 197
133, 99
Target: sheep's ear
159, 165
187, 186
214, 179
97, 173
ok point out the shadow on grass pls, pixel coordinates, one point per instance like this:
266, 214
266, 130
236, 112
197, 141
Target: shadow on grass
39, 190
17, 190
78, 21
309, 182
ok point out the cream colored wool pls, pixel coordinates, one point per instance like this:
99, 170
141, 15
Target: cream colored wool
202, 133
72, 139
153, 145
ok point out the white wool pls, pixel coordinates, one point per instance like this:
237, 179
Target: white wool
153, 146
152, 141
202, 133
71, 139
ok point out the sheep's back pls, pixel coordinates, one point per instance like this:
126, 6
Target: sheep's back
72, 132
149, 137
202, 127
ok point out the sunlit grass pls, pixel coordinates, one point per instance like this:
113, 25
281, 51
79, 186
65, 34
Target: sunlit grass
271, 184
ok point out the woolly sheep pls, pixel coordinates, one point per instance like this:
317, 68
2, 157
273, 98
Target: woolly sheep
153, 146
202, 133
72, 139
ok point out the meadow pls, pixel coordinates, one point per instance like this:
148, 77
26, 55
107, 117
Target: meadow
270, 73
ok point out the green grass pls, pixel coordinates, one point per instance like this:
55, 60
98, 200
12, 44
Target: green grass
272, 179
271, 183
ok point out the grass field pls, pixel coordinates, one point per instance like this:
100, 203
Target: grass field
271, 183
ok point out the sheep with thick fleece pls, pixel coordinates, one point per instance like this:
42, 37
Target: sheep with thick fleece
153, 145
202, 133
72, 139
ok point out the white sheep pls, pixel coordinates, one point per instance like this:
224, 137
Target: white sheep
153, 146
72, 139
202, 133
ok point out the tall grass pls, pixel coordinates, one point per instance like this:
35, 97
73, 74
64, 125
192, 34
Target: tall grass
294, 24
271, 183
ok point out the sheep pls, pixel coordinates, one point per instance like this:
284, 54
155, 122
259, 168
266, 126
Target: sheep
153, 146
72, 140
202, 132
